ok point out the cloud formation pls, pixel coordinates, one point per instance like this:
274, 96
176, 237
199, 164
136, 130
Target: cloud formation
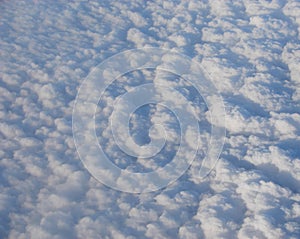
251, 52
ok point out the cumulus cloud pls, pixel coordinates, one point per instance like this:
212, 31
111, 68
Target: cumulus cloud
250, 51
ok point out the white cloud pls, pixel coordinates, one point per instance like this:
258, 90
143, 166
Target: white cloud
250, 50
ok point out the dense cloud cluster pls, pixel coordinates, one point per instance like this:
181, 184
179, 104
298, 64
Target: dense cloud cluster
251, 52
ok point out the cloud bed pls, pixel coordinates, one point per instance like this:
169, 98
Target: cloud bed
251, 51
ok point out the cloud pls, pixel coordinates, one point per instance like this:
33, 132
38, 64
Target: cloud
249, 49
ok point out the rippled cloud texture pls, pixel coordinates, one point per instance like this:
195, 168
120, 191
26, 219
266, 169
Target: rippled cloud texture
250, 49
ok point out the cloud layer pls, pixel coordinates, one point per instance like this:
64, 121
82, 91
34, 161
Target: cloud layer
250, 50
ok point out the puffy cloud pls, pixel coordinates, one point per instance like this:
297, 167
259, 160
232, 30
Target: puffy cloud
249, 50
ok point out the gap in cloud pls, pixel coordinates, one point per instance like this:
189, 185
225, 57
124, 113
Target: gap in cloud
140, 131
